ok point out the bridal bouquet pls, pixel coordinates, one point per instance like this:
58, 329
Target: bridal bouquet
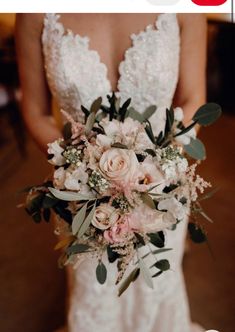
116, 187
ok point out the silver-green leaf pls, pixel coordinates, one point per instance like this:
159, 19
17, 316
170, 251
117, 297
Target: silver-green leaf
145, 273
195, 149
87, 222
78, 219
96, 105
149, 112
101, 273
126, 283
69, 195
207, 114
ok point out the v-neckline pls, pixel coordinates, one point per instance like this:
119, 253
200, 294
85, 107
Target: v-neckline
66, 31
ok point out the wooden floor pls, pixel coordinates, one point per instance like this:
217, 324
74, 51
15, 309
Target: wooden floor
33, 289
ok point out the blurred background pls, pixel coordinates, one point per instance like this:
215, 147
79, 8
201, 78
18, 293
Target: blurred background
32, 288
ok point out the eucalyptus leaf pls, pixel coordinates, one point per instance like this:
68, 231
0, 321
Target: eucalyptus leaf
87, 222
96, 105
195, 149
207, 114
155, 252
145, 273
162, 265
196, 233
149, 112
126, 283
78, 219
157, 239
157, 274
69, 195
90, 122
77, 249
132, 113
101, 273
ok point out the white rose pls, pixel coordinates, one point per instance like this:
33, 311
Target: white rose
152, 176
59, 178
178, 114
105, 216
147, 220
119, 165
172, 205
56, 150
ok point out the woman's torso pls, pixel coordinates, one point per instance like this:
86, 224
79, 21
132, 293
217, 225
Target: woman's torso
90, 55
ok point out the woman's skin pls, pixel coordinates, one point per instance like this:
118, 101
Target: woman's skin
109, 35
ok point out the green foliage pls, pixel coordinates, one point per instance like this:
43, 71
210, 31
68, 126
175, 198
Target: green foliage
101, 273
79, 219
195, 149
69, 195
77, 249
207, 114
196, 233
131, 278
85, 225
145, 273
162, 265
157, 239
112, 255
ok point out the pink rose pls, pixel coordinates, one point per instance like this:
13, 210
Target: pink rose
117, 233
119, 165
105, 216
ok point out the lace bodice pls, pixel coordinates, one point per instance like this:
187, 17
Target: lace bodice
148, 73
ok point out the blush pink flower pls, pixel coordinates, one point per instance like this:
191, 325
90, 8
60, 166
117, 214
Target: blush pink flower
117, 233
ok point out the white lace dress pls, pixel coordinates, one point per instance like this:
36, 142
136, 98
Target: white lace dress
148, 74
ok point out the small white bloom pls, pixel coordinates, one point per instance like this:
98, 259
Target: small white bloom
103, 141
173, 206
185, 138
179, 114
76, 178
59, 178
56, 150
182, 165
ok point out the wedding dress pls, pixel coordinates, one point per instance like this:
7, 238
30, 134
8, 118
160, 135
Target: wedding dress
148, 74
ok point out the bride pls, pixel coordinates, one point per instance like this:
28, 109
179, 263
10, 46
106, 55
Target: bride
154, 59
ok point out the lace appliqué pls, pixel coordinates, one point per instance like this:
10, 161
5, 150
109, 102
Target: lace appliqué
148, 73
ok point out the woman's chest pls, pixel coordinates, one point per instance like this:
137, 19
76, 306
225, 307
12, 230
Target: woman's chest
142, 65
